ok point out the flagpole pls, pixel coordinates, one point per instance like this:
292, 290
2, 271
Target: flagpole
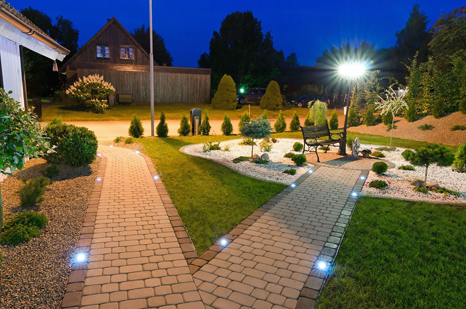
151, 71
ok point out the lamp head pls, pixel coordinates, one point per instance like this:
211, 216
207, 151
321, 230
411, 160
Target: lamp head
352, 70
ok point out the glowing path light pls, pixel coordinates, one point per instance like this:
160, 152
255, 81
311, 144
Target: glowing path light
98, 179
81, 257
223, 242
137, 151
99, 154
293, 185
156, 177
363, 177
354, 194
310, 171
323, 265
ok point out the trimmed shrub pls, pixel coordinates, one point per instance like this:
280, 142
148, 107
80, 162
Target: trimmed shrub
378, 154
135, 129
297, 146
93, 91
290, 171
280, 124
225, 97
349, 142
185, 128
411, 114
295, 124
406, 168
33, 190
378, 184
265, 114
407, 154
162, 127
289, 155
458, 127
319, 111
129, 140
51, 171
272, 99
354, 119
459, 164
227, 127
369, 117
245, 118
19, 234
119, 139
28, 218
310, 118
205, 127
379, 167
333, 124
426, 127
299, 159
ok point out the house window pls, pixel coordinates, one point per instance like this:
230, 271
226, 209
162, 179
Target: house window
126, 52
103, 51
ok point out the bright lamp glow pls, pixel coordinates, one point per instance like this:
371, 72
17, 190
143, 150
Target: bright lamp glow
363, 177
352, 70
241, 90
322, 265
354, 194
293, 185
156, 177
81, 257
111, 145
98, 179
223, 242
137, 151
99, 154
310, 171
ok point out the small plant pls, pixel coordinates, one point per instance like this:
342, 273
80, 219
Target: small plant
240, 159
333, 123
366, 151
406, 168
51, 171
299, 159
135, 129
227, 147
33, 190
459, 164
378, 154
289, 155
245, 118
28, 218
119, 139
162, 127
23, 227
185, 128
280, 124
129, 140
258, 160
247, 142
290, 171
447, 191
408, 153
298, 146
458, 128
56, 121
421, 189
205, 127
274, 140
426, 127
265, 145
349, 142
295, 125
378, 184
208, 146
379, 167
227, 127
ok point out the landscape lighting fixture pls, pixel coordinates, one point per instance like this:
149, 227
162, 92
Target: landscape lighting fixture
98, 179
352, 70
354, 194
111, 145
137, 151
310, 171
99, 154
293, 185
81, 257
223, 242
363, 177
156, 177
241, 90
323, 265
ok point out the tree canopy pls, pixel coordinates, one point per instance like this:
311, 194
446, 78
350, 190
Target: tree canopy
161, 53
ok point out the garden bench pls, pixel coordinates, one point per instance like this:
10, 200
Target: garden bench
311, 134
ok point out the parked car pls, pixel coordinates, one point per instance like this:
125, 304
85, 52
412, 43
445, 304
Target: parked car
303, 101
251, 96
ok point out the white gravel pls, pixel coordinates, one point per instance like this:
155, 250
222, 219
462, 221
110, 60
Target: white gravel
269, 172
399, 180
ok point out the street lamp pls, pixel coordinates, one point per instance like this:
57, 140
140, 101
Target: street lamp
349, 71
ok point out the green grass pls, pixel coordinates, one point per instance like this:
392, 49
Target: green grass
210, 198
399, 254
125, 112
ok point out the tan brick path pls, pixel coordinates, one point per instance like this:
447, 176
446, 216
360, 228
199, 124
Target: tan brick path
135, 260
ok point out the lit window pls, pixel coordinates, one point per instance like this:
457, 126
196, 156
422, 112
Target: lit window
103, 51
126, 53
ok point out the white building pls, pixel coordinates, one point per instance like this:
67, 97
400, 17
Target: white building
16, 32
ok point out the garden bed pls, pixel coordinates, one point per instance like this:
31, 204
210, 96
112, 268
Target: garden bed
35, 274
273, 171
400, 180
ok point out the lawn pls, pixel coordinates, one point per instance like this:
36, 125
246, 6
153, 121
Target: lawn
125, 112
399, 254
210, 198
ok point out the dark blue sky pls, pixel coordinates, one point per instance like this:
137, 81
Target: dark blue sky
306, 27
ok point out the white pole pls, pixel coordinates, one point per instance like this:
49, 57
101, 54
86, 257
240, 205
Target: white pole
151, 72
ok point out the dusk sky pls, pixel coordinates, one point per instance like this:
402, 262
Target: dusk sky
304, 27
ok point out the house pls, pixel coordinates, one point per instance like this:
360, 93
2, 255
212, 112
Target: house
293, 80
17, 32
114, 53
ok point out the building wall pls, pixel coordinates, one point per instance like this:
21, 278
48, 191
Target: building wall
10, 58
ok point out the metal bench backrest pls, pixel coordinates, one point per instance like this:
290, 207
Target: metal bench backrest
315, 131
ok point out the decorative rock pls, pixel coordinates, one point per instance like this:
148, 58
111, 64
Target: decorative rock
265, 157
417, 183
433, 185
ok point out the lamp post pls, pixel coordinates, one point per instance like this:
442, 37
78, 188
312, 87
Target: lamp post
349, 71
151, 73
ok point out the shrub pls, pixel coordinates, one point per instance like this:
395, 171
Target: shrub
432, 153
299, 159
426, 127
119, 139
406, 168
56, 121
379, 167
326, 148
247, 141
76, 146
460, 159
280, 124
240, 159
245, 118
290, 171
378, 154
162, 127
310, 118
28, 218
378, 184
289, 155
129, 140
387, 119
19, 234
354, 119
408, 153
297, 146
447, 191
272, 99
265, 114
349, 142
295, 124
51, 171
33, 190
135, 129
208, 146
438, 110
333, 124
319, 111
421, 189
185, 128
258, 160
225, 97
227, 127
205, 127
92, 91
462, 105
458, 128
411, 114
369, 117
265, 145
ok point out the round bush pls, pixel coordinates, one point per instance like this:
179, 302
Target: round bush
290, 171
379, 167
297, 146
378, 154
28, 218
408, 153
378, 184
18, 234
299, 159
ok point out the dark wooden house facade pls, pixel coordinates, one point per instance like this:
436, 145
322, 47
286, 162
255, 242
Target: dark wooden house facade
114, 53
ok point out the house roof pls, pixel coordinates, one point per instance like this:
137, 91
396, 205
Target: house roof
304, 75
111, 21
17, 20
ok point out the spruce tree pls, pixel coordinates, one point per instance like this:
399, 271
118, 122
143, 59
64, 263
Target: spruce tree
136, 129
265, 114
227, 127
369, 118
280, 124
205, 127
295, 124
185, 128
411, 113
162, 127
272, 100
334, 120
225, 97
245, 118
353, 117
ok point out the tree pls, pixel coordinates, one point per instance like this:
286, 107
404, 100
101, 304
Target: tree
227, 127
225, 97
294, 124
291, 62
162, 127
205, 127
460, 159
369, 118
333, 124
319, 110
411, 114
272, 99
256, 129
185, 128
245, 118
432, 153
136, 129
280, 124
161, 53
20, 137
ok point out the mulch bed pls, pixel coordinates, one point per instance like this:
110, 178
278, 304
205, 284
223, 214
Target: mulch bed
35, 274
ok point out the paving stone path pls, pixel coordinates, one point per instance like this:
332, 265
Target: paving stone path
136, 261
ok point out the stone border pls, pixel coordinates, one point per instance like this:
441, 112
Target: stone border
212, 252
76, 278
317, 278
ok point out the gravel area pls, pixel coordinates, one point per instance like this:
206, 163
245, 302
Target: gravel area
399, 181
35, 274
269, 172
